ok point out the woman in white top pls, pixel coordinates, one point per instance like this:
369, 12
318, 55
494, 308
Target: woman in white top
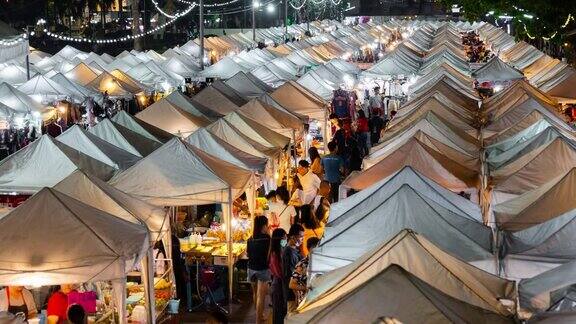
286, 213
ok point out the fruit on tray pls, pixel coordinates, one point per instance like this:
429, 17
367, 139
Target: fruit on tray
237, 249
161, 283
162, 294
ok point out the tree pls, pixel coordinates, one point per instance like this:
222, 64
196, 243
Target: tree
136, 24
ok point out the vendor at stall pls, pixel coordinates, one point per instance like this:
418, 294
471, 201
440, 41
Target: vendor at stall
17, 299
58, 305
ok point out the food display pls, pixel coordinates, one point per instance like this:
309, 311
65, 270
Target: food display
237, 249
136, 295
241, 230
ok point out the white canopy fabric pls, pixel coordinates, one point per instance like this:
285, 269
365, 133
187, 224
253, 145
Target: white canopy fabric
82, 74
496, 70
123, 138
406, 199
248, 85
97, 148
45, 162
279, 120
296, 99
18, 100
223, 69
14, 74
99, 194
214, 99
407, 270
136, 125
194, 177
209, 142
171, 118
223, 130
191, 106
257, 132
42, 86
104, 246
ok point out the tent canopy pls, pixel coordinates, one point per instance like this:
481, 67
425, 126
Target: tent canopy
406, 199
138, 126
124, 138
248, 85
99, 194
209, 142
97, 148
97, 246
45, 162
194, 177
497, 71
382, 281
296, 99
166, 115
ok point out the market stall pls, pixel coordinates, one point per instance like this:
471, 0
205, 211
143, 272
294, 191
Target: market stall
195, 178
99, 247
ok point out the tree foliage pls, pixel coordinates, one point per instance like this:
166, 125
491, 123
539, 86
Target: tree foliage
547, 16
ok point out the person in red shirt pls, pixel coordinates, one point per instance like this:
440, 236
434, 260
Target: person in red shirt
363, 133
58, 305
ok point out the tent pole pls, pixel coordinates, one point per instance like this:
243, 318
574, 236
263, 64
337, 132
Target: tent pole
326, 135
201, 36
285, 21
148, 274
229, 244
253, 22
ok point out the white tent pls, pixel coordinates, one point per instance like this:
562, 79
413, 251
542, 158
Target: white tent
209, 142
223, 69
18, 100
496, 70
136, 125
191, 106
194, 177
412, 280
98, 246
257, 132
45, 162
406, 199
248, 85
82, 74
99, 194
171, 118
97, 148
14, 74
42, 87
217, 101
124, 138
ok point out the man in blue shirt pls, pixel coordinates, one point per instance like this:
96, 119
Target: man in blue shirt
333, 165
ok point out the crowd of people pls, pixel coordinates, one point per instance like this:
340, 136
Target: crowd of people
293, 224
475, 48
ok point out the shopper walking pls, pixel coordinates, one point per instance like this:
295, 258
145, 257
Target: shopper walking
279, 302
290, 257
258, 247
333, 165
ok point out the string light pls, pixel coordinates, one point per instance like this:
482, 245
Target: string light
300, 7
222, 4
13, 41
162, 11
125, 38
568, 20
